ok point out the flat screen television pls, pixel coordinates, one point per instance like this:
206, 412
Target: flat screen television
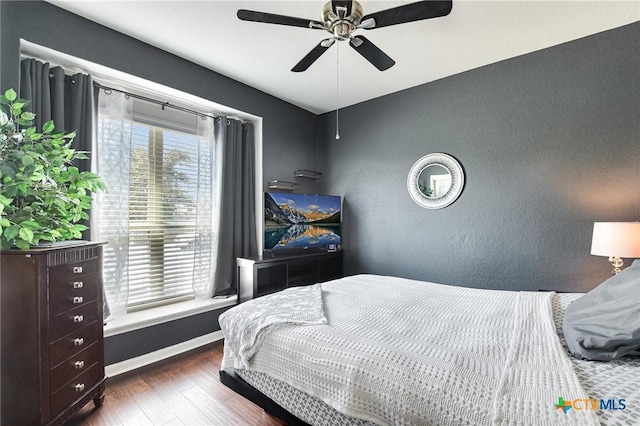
297, 222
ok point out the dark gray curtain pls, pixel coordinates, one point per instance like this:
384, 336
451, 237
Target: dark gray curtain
67, 100
237, 235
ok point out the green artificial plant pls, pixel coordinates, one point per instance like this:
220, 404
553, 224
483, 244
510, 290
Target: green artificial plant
43, 197
425, 190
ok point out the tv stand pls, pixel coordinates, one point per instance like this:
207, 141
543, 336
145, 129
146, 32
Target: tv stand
258, 276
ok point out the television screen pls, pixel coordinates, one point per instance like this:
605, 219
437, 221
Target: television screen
301, 221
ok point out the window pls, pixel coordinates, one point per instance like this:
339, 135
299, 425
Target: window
162, 214
151, 161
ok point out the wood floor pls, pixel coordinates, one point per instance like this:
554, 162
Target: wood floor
183, 390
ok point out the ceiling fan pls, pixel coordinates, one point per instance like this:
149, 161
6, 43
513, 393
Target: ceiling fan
342, 18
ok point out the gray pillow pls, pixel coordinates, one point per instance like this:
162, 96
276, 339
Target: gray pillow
604, 324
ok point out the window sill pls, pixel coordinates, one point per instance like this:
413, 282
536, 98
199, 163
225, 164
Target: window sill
162, 314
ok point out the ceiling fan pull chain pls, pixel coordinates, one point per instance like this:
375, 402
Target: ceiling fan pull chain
337, 90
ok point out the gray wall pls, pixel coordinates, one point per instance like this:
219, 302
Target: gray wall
550, 143
139, 342
289, 141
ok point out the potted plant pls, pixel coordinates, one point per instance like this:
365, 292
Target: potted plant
43, 197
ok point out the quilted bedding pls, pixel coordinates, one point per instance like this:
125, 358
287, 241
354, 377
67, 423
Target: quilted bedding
398, 351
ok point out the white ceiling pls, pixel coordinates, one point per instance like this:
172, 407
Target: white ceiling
476, 33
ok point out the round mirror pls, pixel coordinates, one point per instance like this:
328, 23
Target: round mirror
435, 181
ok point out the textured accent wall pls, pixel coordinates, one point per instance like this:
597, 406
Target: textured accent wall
550, 143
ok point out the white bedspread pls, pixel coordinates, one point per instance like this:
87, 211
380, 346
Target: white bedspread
246, 326
398, 351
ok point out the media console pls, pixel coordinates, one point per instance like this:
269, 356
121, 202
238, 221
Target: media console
258, 276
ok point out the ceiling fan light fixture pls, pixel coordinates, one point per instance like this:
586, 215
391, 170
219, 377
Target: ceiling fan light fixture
341, 11
356, 42
367, 24
326, 43
347, 11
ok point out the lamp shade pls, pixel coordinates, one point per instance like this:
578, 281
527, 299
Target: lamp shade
618, 239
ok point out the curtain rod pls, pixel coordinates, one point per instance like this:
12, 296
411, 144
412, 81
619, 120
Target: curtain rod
161, 103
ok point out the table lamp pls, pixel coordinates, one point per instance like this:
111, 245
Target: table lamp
616, 240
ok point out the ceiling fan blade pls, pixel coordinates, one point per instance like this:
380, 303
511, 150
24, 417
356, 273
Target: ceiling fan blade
313, 56
372, 53
270, 18
409, 13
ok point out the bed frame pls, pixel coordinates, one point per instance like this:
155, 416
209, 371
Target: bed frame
230, 379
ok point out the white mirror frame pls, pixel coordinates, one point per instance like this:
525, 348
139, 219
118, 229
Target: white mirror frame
457, 181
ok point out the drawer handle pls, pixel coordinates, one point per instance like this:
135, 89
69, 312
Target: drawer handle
77, 299
78, 318
78, 365
77, 269
79, 341
78, 284
79, 387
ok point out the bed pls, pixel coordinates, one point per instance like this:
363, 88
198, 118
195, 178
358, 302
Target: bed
370, 349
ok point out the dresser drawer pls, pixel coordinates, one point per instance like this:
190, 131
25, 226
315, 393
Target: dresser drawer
69, 271
74, 342
72, 320
74, 298
75, 389
73, 366
70, 286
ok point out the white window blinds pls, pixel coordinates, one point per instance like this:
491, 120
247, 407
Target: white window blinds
162, 214
150, 161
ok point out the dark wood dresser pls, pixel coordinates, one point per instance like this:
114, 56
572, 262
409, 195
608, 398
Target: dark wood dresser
52, 360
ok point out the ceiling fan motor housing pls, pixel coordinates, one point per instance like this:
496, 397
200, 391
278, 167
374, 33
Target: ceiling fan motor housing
341, 26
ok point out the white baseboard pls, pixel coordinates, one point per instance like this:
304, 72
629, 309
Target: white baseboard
164, 353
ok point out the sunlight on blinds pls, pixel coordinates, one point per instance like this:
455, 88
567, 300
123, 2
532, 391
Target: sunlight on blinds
162, 216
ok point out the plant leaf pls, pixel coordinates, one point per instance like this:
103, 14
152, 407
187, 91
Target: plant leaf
6, 202
26, 234
30, 224
11, 232
11, 95
7, 170
22, 245
48, 127
11, 191
27, 160
27, 115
